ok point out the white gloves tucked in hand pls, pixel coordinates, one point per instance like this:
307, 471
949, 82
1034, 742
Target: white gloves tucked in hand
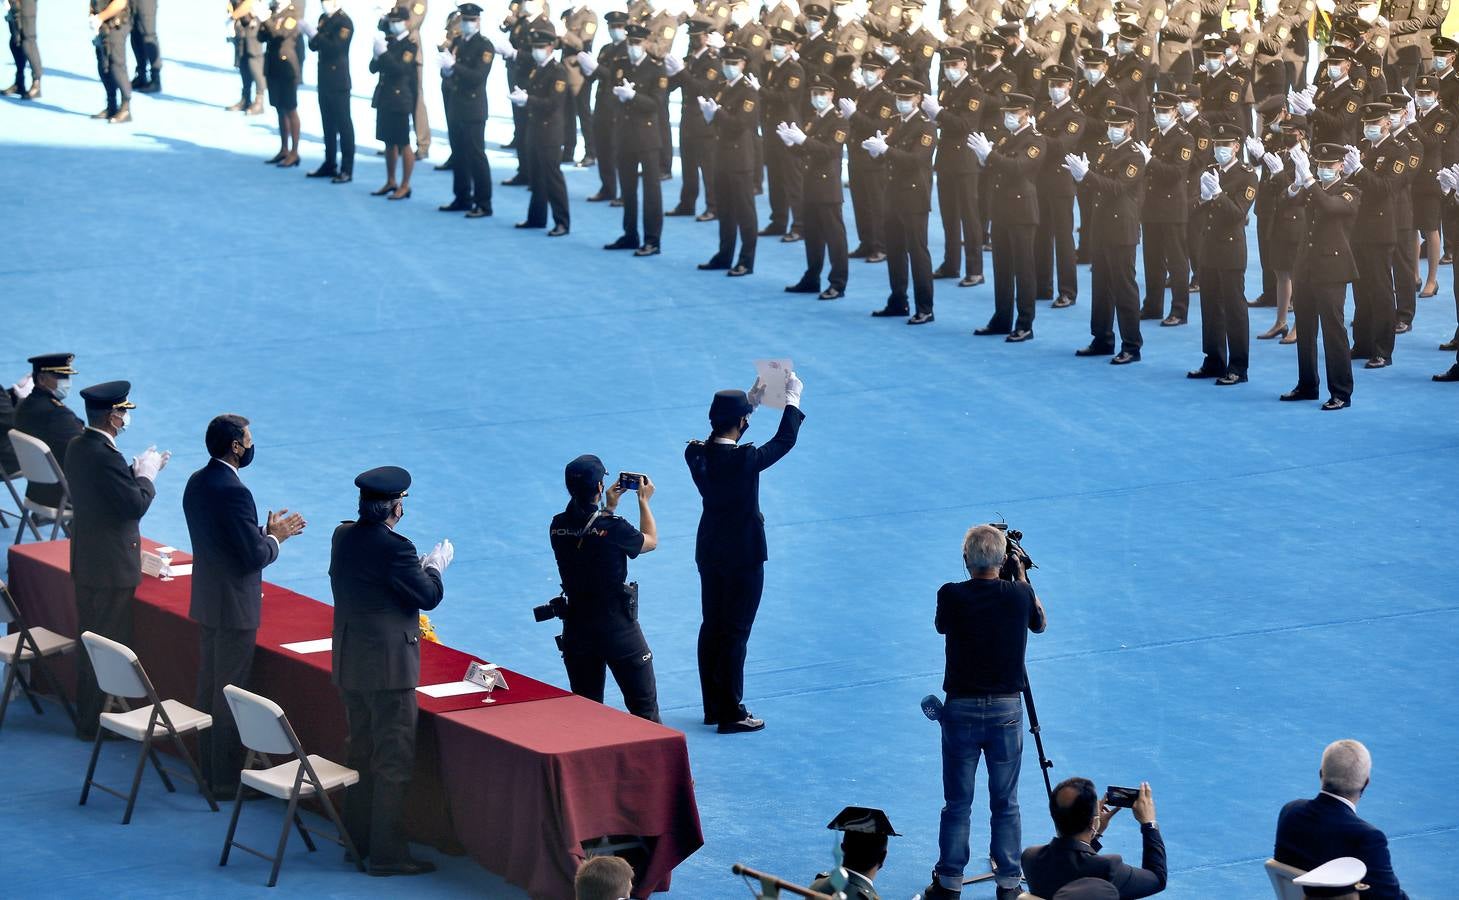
23, 387
439, 558
624, 91
793, 388
149, 463
379, 48
876, 145
518, 97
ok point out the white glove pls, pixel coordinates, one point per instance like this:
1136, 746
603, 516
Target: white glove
708, 107
1447, 181
1108, 26
752, 81
980, 145
1144, 150
793, 388
790, 133
1272, 162
1078, 166
507, 51
23, 387
715, 40
876, 145
1210, 185
518, 96
149, 463
93, 23
1327, 6
1300, 104
756, 393
673, 65
624, 91
439, 558
846, 107
1255, 147
309, 28
447, 61
931, 106
1301, 165
1352, 160
379, 45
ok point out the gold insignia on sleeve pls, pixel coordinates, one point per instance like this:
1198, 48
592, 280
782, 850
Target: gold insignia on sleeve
1347, 196
1398, 167
857, 43
1073, 127
1185, 154
886, 113
1111, 103
559, 86
663, 82
1283, 32
1145, 50
1232, 96
408, 56
894, 12
344, 33
756, 40
290, 22
1006, 87
1137, 75
1413, 162
1250, 194
590, 27
828, 58
749, 106
1248, 48
1099, 161
711, 74
840, 136
1360, 84
1203, 143
973, 104
793, 82
1375, 71
1352, 106
485, 57
1132, 171
1033, 151
668, 32
927, 50
721, 11
1195, 17
1038, 74
927, 140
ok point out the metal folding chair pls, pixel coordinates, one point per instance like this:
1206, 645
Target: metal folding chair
264, 729
122, 678
38, 465
28, 647
1281, 876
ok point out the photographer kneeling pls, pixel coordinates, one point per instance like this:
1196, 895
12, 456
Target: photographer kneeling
986, 620
600, 613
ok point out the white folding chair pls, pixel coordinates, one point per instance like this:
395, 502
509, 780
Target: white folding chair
1281, 875
9, 479
28, 647
39, 466
264, 729
122, 678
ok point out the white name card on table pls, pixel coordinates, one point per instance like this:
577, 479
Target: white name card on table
772, 373
318, 646
158, 563
451, 689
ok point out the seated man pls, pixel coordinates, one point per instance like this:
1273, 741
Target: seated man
864, 852
603, 878
1340, 879
1088, 889
1311, 832
1080, 818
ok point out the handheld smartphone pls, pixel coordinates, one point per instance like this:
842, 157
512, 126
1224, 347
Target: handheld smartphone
629, 481
1121, 797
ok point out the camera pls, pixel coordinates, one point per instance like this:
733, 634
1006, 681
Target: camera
1015, 553
629, 481
1121, 797
556, 608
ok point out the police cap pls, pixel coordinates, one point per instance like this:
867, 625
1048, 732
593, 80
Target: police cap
815, 11
547, 38
953, 53
863, 820
108, 395
1371, 112
1227, 131
992, 40
1348, 30
53, 363
1093, 56
1017, 102
700, 26
822, 82
1214, 46
1131, 31
1058, 73
1009, 29
870, 60
1397, 101
1164, 100
906, 87
398, 14
383, 483
1297, 123
1343, 872
637, 32
469, 11
616, 17
1118, 115
1328, 153
1426, 83
584, 474
733, 53
1339, 54
783, 36
728, 406
1443, 44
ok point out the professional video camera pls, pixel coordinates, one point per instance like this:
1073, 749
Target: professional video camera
1015, 552
556, 608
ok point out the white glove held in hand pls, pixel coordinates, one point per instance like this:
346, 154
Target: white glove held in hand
379, 49
1144, 150
793, 388
708, 107
846, 107
673, 65
518, 97
149, 463
980, 145
23, 387
587, 62
440, 557
876, 145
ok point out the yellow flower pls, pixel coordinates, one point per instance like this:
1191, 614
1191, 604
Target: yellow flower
427, 630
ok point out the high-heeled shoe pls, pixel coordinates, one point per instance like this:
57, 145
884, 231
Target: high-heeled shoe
1276, 331
288, 163
399, 196
1291, 337
275, 161
1426, 293
383, 191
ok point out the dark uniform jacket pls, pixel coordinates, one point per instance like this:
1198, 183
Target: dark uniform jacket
106, 542
1335, 112
8, 463
1413, 152
731, 527
1115, 186
1094, 101
1063, 860
858, 887
612, 61
579, 28
1223, 97
820, 156
1435, 130
281, 35
1288, 220
961, 115
1167, 174
783, 93
1223, 233
1325, 255
398, 84
700, 77
1063, 131
909, 162
332, 43
546, 86
997, 84
1382, 177
638, 119
876, 109
474, 58
1310, 832
1180, 30
1013, 166
735, 125
379, 590
1130, 74
41, 415
592, 561
230, 550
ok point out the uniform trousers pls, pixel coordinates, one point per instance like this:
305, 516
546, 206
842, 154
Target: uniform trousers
145, 49
1167, 262
868, 202
382, 750
339, 130
1405, 275
1269, 263
962, 222
24, 49
588, 663
729, 598
603, 139
107, 611
906, 248
666, 140
1374, 313
785, 186
696, 157
1014, 279
575, 111
543, 160
225, 657
634, 165
111, 65
1115, 295
248, 57
1225, 327
825, 233
735, 193
1054, 261
470, 171
1193, 228
1311, 304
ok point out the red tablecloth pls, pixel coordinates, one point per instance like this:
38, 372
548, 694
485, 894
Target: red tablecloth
519, 785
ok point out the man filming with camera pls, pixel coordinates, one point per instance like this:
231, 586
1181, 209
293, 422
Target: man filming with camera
986, 620
599, 610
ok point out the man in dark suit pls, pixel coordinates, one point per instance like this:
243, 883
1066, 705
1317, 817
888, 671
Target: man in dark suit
380, 587
1079, 820
44, 415
10, 398
230, 552
730, 551
110, 499
1311, 832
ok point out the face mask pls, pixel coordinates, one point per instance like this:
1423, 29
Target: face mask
1231, 56
813, 27
470, 28
1425, 101
1213, 64
399, 511
1395, 121
1373, 132
1093, 75
778, 51
1116, 135
1334, 73
731, 72
1164, 120
1058, 94
330, 8
1124, 47
531, 10
1012, 121
636, 53
871, 78
1224, 154
1187, 109
953, 74
820, 102
540, 54
905, 107
1327, 176
888, 52
397, 28
126, 421
247, 456
1291, 140
1239, 23
1368, 14
617, 35
989, 60
1441, 63
744, 427
63, 387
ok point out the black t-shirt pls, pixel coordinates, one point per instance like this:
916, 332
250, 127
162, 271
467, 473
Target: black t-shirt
593, 568
987, 623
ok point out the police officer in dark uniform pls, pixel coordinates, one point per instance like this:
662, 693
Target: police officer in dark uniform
640, 98
248, 54
783, 99
44, 415
1194, 121
1324, 267
606, 71
111, 21
20, 16
1223, 89
579, 30
145, 49
1095, 97
471, 57
698, 78
730, 549
1115, 185
864, 834
818, 50
1165, 211
734, 111
110, 498
283, 67
1061, 122
395, 61
1378, 167
958, 111
1405, 250
1012, 165
1131, 75
331, 40
380, 586
1333, 109
870, 110
1227, 191
907, 144
542, 90
600, 622
1434, 128
817, 149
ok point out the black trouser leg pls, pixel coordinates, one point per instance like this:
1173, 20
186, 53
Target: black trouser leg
583, 108
1102, 309
952, 226
603, 140
329, 122
628, 177
690, 158
634, 673
1335, 347
897, 263
1153, 252
1003, 283
569, 125
1374, 313
226, 657
1025, 283
730, 600
876, 207
1235, 318
107, 612
665, 159
724, 185
587, 672
1305, 301
1213, 323
777, 162
833, 232
860, 201
919, 258
476, 163
382, 750
460, 173
1056, 217
813, 225
653, 197
1193, 228
968, 191
746, 218
1126, 296
1264, 256
554, 184
1405, 275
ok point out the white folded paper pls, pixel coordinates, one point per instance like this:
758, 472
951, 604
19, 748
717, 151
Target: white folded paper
772, 373
318, 646
451, 689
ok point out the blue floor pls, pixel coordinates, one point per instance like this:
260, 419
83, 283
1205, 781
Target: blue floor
1231, 582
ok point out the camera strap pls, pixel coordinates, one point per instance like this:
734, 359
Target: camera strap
583, 532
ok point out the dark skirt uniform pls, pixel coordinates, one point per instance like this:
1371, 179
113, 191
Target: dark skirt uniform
1011, 175
736, 122
819, 159
639, 144
958, 175
783, 95
1164, 215
111, 62
281, 63
24, 49
380, 588
910, 140
466, 119
248, 58
699, 78
546, 87
1055, 267
875, 110
395, 93
1225, 331
332, 43
45, 416
1115, 187
1383, 176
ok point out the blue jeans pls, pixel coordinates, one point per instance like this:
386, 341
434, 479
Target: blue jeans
991, 727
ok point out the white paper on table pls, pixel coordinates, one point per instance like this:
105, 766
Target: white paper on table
318, 646
451, 689
181, 570
772, 373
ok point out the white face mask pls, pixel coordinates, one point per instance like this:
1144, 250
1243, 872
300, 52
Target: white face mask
1115, 134
1164, 120
531, 9
1239, 21
1012, 121
617, 35
540, 54
871, 77
1124, 47
1213, 63
888, 52
470, 27
636, 53
126, 421
905, 107
1093, 75
397, 28
812, 27
1441, 63
1058, 94
1187, 109
63, 387
820, 102
778, 51
732, 71
331, 7
1368, 14
1224, 154
1395, 121
1373, 132
1425, 101
1327, 175
954, 73
1334, 73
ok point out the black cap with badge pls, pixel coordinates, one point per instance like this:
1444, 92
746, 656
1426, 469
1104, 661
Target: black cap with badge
383, 483
729, 406
53, 364
864, 836
108, 395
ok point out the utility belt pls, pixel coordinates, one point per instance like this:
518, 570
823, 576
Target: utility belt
627, 596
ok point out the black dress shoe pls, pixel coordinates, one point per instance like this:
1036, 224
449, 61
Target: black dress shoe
455, 206
1450, 346
1378, 362
557, 231
859, 253
1062, 301
1298, 394
791, 237
1446, 259
152, 86
1124, 358
971, 281
138, 82
587, 162
706, 216
803, 287
740, 271
275, 159
887, 312
1451, 375
599, 197
1019, 336
478, 212
515, 181
836, 294
877, 257
342, 178
680, 211
647, 250
1147, 315
403, 867
623, 243
325, 171
444, 166
935, 891
922, 319
1171, 322
743, 726
1335, 404
940, 272
990, 330
1261, 302
1402, 328
1092, 350
530, 225
1231, 378
713, 265
1202, 373
772, 231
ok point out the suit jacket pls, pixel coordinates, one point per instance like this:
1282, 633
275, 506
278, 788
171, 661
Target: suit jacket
1115, 187
909, 163
1013, 167
230, 550
1311, 832
379, 590
474, 56
1325, 255
1063, 860
42, 416
731, 527
1223, 232
1382, 177
819, 158
962, 114
783, 93
735, 126
700, 77
1167, 174
638, 119
281, 33
332, 43
1063, 131
396, 91
106, 541
8, 463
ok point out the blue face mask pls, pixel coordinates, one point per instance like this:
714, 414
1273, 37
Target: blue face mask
905, 107
778, 51
1373, 132
1011, 121
63, 387
1124, 47
1334, 73
1116, 135
1058, 94
1425, 101
1164, 120
820, 102
1327, 176
1224, 154
731, 72
617, 35
1093, 75
1441, 63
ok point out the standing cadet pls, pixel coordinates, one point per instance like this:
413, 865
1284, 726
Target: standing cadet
1324, 267
23, 49
1377, 168
605, 71
1227, 192
1193, 121
282, 67
541, 150
144, 47
1181, 29
640, 96
1115, 185
1165, 212
734, 112
1434, 128
465, 69
958, 112
870, 111
448, 40
695, 76
579, 28
818, 50
1013, 165
1333, 108
1405, 251
43, 415
110, 22
730, 550
1130, 74
331, 40
248, 54
783, 97
1280, 227
817, 151
110, 499
415, 15
907, 144
1062, 124
1268, 62
1223, 90
1095, 97
380, 588
394, 60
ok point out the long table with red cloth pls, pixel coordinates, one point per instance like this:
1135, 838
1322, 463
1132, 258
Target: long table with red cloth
518, 784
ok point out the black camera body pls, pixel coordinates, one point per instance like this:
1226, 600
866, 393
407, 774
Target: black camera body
556, 608
1121, 797
1015, 554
